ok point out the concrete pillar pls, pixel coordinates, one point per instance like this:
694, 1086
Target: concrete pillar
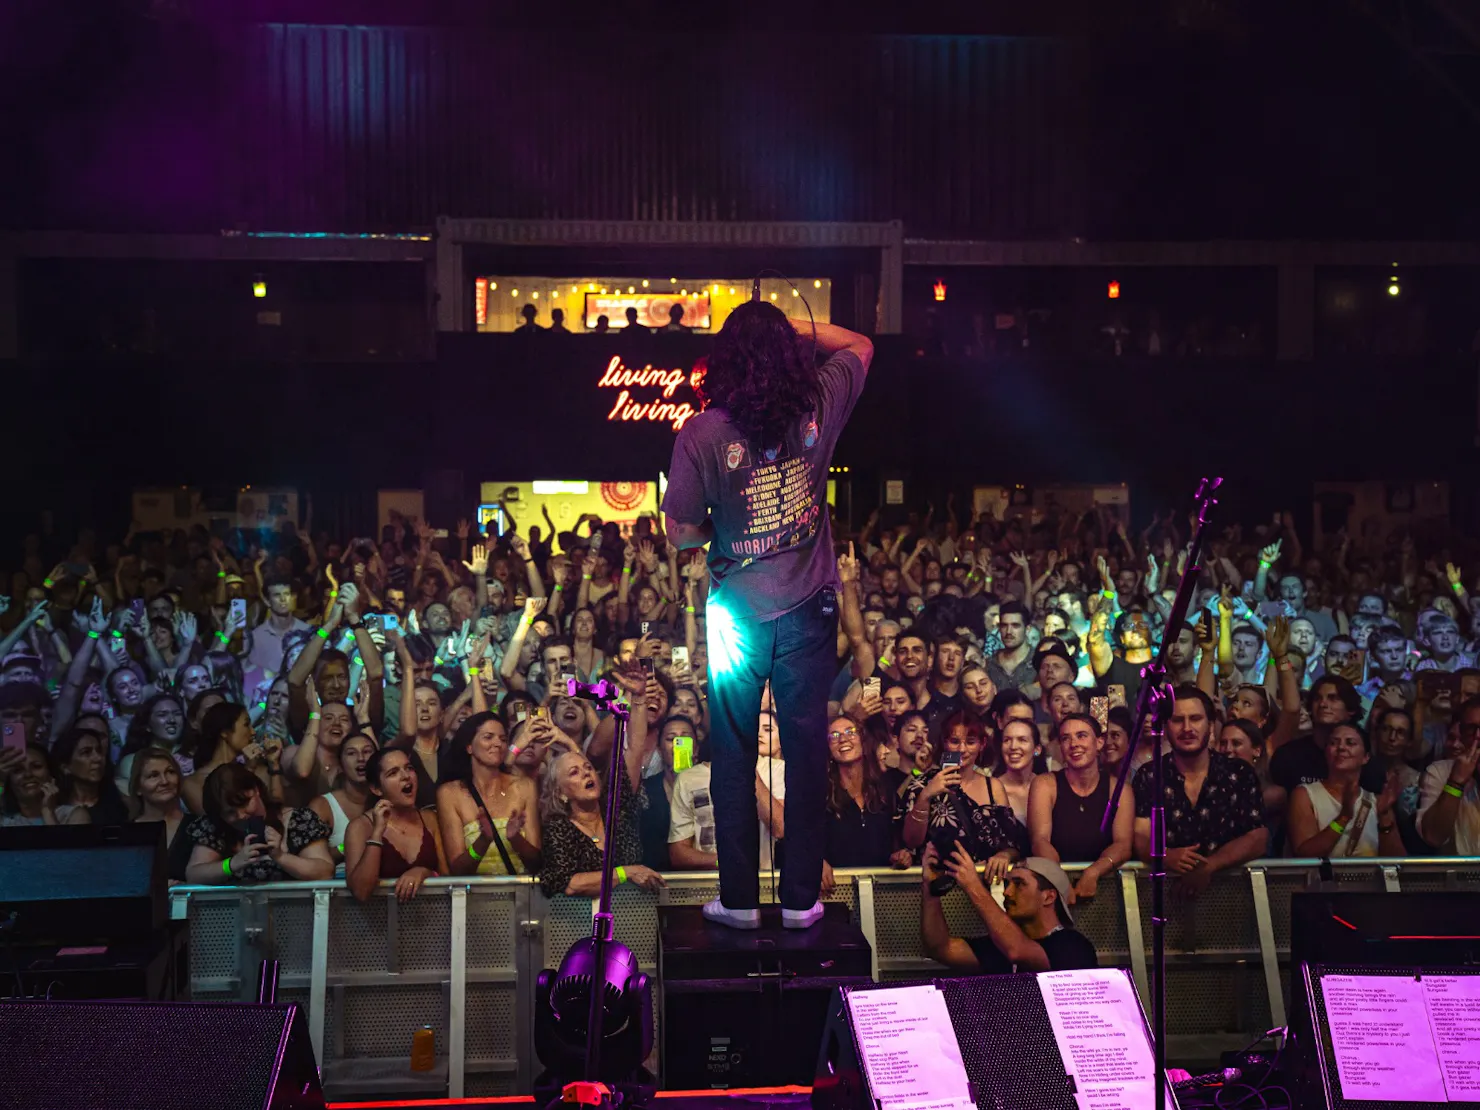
452, 297
891, 282
1296, 325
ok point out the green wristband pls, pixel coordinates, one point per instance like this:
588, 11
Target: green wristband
91, 635
226, 866
1337, 827
323, 633
1453, 791
621, 874
474, 853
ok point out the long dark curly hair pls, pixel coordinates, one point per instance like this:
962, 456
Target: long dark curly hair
760, 373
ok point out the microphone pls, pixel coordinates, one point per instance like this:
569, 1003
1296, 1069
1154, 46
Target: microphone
755, 289
1208, 1079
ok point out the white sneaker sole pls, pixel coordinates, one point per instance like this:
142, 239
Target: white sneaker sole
801, 919
734, 919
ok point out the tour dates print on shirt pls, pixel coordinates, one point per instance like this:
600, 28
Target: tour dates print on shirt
781, 510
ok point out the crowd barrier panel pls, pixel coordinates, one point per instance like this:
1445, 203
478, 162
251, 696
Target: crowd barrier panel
462, 957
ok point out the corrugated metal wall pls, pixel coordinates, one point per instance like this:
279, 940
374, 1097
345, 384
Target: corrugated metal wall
368, 129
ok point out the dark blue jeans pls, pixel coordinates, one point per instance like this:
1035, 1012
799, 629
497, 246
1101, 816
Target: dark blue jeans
798, 653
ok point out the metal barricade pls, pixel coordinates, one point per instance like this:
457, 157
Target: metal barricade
462, 957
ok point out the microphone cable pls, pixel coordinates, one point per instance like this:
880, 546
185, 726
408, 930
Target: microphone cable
755, 295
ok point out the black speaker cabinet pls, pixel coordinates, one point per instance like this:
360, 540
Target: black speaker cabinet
82, 883
746, 1009
157, 1056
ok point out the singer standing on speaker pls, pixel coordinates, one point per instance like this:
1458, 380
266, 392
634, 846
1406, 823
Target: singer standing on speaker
749, 478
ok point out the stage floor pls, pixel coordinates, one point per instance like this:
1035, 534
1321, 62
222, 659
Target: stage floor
760, 1098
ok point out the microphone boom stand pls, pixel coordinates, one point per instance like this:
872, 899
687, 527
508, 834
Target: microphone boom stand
1154, 704
605, 696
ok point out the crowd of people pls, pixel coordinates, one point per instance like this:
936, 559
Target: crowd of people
296, 707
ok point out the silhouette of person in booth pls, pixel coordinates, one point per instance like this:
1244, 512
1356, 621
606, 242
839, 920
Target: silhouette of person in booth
633, 332
603, 325
529, 327
557, 322
675, 325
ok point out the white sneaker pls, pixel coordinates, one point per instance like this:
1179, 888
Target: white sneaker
802, 919
720, 914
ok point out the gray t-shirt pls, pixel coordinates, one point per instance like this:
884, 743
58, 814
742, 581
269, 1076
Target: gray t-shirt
772, 546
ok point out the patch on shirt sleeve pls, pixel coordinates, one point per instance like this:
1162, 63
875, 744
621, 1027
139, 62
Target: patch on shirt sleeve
737, 455
809, 434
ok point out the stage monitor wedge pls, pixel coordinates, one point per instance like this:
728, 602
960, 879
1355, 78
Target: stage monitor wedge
157, 1056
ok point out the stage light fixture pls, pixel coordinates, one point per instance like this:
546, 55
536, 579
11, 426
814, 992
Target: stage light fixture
259, 288
1394, 289
644, 283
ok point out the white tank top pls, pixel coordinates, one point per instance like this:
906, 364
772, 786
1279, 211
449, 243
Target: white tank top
1328, 808
341, 821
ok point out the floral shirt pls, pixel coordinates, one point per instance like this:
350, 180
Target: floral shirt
987, 829
566, 851
301, 828
1230, 804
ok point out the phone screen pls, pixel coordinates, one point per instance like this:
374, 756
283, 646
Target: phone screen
872, 687
239, 610
647, 664
950, 759
1099, 709
680, 656
13, 735
389, 622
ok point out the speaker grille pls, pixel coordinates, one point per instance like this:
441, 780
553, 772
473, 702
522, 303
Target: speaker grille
136, 1056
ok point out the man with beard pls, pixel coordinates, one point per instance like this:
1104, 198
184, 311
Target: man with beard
1214, 803
1247, 646
1182, 657
894, 603
1011, 668
1292, 592
912, 661
1331, 701
1122, 666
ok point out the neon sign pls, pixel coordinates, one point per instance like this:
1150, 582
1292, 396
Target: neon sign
632, 407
